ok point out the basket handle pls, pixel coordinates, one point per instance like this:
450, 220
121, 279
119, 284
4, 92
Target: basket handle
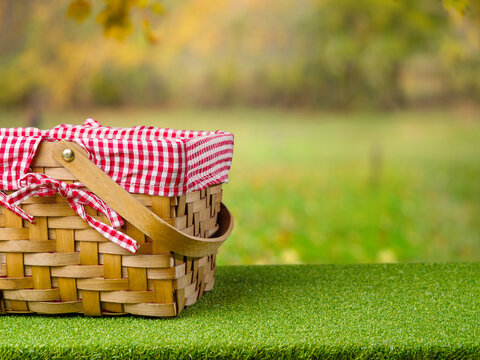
134, 211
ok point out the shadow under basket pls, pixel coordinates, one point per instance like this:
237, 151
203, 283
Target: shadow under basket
60, 265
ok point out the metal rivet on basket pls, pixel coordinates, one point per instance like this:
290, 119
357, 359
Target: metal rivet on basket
68, 155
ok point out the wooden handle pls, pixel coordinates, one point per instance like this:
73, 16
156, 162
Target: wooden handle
133, 210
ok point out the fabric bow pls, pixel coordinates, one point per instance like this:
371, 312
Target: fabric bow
42, 185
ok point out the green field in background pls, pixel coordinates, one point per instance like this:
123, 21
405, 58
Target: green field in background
337, 188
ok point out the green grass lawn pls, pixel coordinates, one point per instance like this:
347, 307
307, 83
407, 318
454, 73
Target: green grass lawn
399, 311
320, 188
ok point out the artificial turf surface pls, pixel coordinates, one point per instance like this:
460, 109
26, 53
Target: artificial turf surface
271, 312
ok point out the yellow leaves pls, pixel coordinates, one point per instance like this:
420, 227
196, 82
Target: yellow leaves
141, 3
461, 6
157, 8
116, 16
79, 10
196, 25
147, 31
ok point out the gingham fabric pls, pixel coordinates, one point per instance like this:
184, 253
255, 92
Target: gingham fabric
143, 160
42, 185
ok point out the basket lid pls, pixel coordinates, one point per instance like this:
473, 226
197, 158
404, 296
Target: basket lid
143, 160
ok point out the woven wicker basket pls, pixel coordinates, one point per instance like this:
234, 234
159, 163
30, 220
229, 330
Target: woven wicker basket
60, 265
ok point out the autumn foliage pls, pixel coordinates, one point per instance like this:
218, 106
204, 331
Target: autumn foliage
329, 53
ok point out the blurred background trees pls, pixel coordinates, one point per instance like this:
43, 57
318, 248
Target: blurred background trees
321, 54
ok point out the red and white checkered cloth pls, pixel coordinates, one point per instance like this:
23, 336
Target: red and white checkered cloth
143, 160
42, 185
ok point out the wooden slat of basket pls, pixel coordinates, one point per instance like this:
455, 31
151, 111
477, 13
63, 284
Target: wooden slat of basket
57, 307
88, 253
203, 261
44, 200
190, 289
52, 259
179, 259
192, 299
180, 222
148, 261
59, 173
137, 277
127, 297
201, 290
66, 244
204, 215
32, 295
161, 207
90, 235
182, 282
27, 246
189, 214
188, 230
39, 232
113, 270
163, 289
78, 271
102, 284
199, 205
194, 269
181, 207
113, 266
13, 283
69, 222
3, 270
43, 156
166, 274
201, 281
91, 303
10, 233
15, 260
151, 309
192, 197
146, 200
209, 286
212, 232
114, 249
196, 224
189, 268
50, 209
90, 299
210, 276
180, 296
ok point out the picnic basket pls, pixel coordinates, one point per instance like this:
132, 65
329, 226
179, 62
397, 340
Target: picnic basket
61, 250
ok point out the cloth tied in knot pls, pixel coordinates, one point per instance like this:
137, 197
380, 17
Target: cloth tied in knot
34, 184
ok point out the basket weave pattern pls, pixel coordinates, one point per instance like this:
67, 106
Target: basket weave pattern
61, 265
